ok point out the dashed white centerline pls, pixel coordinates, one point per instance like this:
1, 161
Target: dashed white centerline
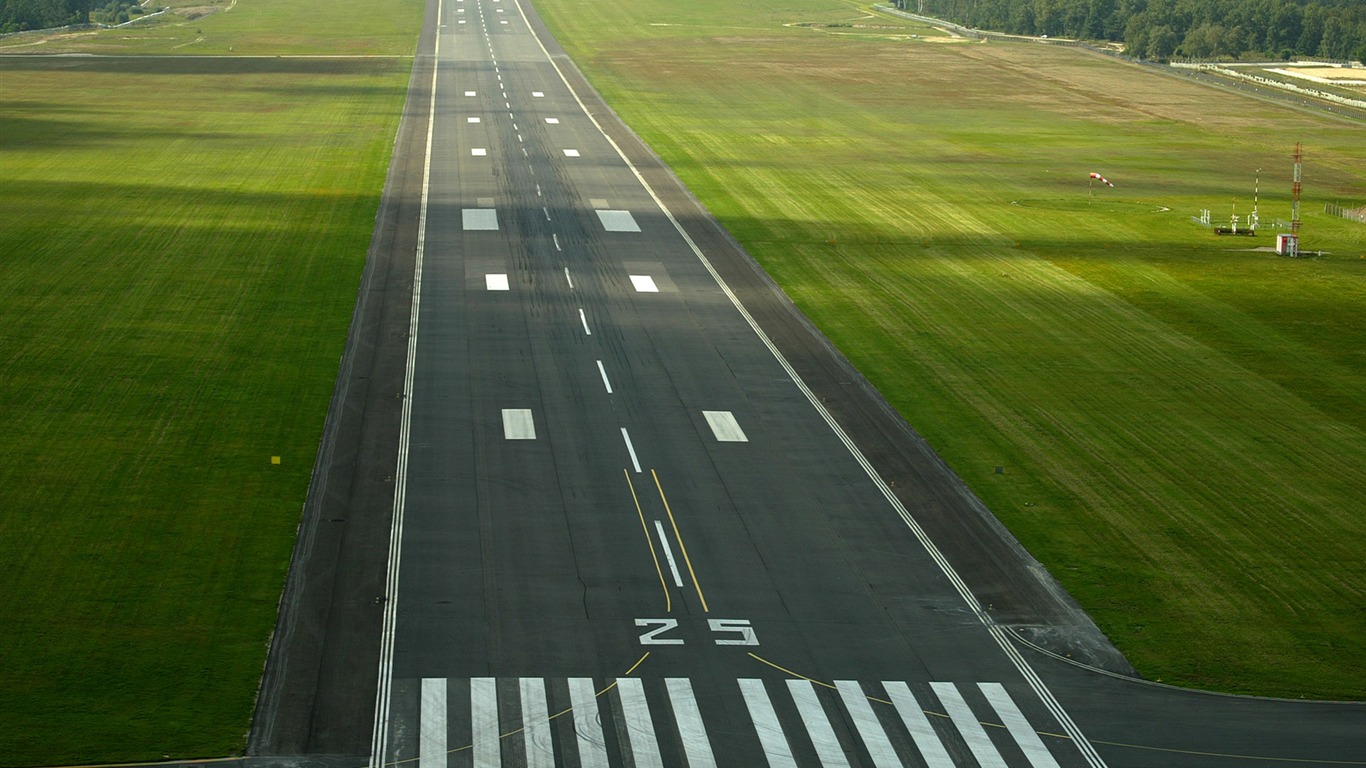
632, 450
568, 279
668, 551
538, 190
547, 212
603, 371
556, 239
584, 319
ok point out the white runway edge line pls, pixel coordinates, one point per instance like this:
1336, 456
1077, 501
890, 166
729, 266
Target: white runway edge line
1083, 745
379, 739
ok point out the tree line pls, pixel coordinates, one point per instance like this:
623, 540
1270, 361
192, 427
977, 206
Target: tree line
1163, 29
20, 15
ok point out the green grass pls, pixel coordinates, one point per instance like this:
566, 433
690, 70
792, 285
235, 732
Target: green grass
1181, 421
182, 242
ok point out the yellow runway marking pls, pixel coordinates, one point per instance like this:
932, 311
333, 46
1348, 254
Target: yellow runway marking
668, 601
683, 547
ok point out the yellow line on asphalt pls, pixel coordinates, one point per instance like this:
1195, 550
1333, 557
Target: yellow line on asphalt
668, 601
683, 547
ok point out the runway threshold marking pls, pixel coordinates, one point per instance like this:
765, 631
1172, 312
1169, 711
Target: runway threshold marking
678, 536
649, 540
817, 723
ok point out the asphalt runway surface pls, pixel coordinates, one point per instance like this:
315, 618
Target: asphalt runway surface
593, 493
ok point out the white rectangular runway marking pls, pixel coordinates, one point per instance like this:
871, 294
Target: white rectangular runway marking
587, 723
601, 369
556, 240
552, 121
766, 724
865, 721
567, 278
725, 427
584, 319
913, 716
691, 731
571, 153
462, 21
496, 282
504, 21
469, 93
485, 219
640, 731
484, 723
644, 284
631, 449
618, 221
471, 119
538, 95
976, 737
1015, 722
518, 424
479, 151
817, 724
432, 729
668, 550
540, 749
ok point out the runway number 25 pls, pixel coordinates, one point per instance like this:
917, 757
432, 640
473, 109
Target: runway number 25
740, 628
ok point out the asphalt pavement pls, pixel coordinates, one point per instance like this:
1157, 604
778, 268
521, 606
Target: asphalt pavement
594, 493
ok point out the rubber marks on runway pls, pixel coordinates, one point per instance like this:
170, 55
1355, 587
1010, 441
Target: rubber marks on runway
725, 427
652, 723
518, 424
618, 221
485, 219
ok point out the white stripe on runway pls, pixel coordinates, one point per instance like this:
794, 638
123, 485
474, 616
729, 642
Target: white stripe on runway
1019, 727
484, 722
584, 319
644, 284
518, 424
640, 730
865, 720
766, 724
817, 724
691, 731
725, 427
967, 724
931, 748
540, 749
603, 371
631, 449
496, 282
669, 554
587, 723
432, 730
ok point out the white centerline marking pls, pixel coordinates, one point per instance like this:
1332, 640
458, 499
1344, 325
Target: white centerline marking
631, 449
601, 369
584, 319
547, 212
668, 552
567, 278
556, 239
538, 190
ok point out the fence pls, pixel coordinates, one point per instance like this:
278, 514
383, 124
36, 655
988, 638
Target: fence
1342, 212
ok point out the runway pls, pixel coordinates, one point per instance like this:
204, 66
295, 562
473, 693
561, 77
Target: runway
603, 497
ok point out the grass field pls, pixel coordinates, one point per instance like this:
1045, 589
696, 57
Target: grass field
183, 240
1180, 420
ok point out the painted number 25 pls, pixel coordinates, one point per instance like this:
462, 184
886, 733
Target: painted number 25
740, 628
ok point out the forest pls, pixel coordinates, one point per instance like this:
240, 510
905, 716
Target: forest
1161, 30
22, 15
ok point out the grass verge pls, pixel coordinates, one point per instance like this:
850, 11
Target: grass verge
1179, 419
183, 240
